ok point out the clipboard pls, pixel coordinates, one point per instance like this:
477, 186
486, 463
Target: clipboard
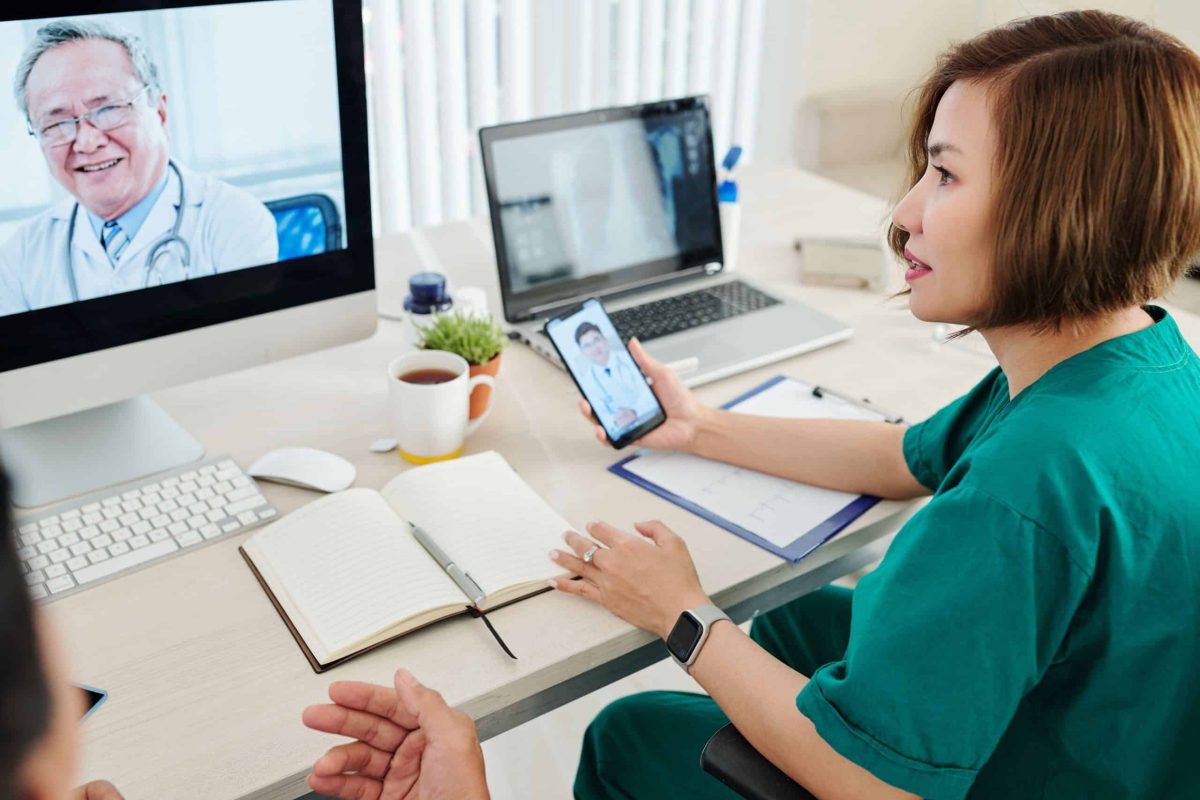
836, 509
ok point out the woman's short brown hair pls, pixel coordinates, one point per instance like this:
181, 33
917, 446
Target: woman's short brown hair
1097, 173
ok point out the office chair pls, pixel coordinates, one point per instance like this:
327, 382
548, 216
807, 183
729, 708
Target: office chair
306, 225
729, 758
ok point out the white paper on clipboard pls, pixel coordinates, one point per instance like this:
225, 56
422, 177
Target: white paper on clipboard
777, 510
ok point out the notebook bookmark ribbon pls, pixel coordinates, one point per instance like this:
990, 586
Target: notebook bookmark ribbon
477, 613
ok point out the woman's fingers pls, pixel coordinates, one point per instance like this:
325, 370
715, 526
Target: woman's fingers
369, 697
357, 757
607, 534
656, 532
583, 588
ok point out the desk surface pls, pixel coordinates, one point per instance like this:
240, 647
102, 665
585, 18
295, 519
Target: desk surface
207, 686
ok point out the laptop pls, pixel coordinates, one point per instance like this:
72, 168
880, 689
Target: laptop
621, 204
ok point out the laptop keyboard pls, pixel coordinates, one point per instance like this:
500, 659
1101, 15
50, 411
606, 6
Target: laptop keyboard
684, 311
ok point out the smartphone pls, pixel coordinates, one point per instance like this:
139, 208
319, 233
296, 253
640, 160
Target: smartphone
92, 698
605, 372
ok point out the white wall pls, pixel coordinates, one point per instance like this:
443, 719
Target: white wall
833, 51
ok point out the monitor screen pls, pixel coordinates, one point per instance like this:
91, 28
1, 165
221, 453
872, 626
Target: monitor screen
586, 202
154, 148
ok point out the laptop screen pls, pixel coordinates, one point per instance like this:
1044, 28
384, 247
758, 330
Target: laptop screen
596, 203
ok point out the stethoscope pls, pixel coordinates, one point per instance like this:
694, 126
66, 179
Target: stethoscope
620, 367
157, 250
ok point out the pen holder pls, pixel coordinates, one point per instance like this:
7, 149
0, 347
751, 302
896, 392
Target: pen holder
731, 222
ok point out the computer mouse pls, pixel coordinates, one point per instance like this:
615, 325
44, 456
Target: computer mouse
305, 467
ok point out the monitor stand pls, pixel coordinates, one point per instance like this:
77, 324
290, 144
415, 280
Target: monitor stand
89, 450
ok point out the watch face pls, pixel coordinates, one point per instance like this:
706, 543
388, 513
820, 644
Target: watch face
684, 636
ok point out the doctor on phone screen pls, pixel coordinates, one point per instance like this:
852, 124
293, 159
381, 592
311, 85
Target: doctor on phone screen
616, 380
135, 218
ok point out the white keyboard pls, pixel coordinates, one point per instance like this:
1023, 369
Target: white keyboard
85, 541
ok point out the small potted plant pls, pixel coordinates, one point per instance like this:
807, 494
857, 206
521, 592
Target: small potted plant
475, 337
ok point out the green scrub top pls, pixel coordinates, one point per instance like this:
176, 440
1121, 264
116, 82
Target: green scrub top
1034, 630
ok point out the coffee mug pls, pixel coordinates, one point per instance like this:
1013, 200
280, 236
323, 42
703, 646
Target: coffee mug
429, 412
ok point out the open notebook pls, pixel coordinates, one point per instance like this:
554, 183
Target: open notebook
346, 574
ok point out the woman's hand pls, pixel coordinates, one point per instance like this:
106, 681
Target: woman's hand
410, 744
684, 411
646, 580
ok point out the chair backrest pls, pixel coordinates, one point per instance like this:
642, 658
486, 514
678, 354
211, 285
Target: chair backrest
306, 225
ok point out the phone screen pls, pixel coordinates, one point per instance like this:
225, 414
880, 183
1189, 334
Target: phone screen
92, 698
605, 373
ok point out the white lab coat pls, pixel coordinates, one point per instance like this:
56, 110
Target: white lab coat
225, 227
621, 387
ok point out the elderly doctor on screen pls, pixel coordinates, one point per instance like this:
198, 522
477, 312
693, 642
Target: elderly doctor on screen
135, 218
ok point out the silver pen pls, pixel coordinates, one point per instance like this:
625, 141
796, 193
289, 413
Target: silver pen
821, 391
469, 587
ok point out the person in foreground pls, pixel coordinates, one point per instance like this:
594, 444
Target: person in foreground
1034, 629
39, 708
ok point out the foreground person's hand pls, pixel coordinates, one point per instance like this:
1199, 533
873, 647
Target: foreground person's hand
409, 744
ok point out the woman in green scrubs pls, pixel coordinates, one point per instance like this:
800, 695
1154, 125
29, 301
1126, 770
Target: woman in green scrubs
1034, 630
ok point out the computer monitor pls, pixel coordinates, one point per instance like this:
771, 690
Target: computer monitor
187, 194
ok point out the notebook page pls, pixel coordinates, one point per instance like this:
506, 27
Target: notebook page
488, 520
349, 569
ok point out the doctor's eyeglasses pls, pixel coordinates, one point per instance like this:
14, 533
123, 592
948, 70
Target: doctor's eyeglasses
105, 118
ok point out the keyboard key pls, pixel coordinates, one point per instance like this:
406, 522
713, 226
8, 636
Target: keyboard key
180, 514
114, 565
216, 515
247, 517
151, 499
190, 475
131, 505
240, 480
229, 527
188, 486
91, 508
103, 540
190, 538
68, 539
198, 508
121, 535
55, 570
205, 481
37, 576
167, 506
197, 522
46, 522
221, 487
72, 524
210, 531
58, 556
30, 528
244, 505
80, 549
51, 531
96, 556
72, 514
267, 513
242, 493
110, 501
208, 469
118, 549
142, 527
170, 493
204, 494
171, 481
138, 542
26, 553
158, 534
38, 591
88, 531
78, 562
132, 493
176, 528
39, 562
92, 518
128, 519
109, 525
30, 539
47, 547
161, 521
151, 487
149, 512
60, 584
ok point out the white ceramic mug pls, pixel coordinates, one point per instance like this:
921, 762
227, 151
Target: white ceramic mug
430, 419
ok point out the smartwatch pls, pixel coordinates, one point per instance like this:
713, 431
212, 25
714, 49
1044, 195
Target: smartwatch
690, 632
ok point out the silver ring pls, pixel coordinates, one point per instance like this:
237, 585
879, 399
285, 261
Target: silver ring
590, 554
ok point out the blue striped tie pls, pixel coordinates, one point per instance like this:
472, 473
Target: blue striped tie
114, 240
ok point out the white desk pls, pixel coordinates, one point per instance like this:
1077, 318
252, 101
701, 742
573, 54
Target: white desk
206, 685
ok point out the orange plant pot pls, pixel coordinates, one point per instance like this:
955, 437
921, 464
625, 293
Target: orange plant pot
481, 398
